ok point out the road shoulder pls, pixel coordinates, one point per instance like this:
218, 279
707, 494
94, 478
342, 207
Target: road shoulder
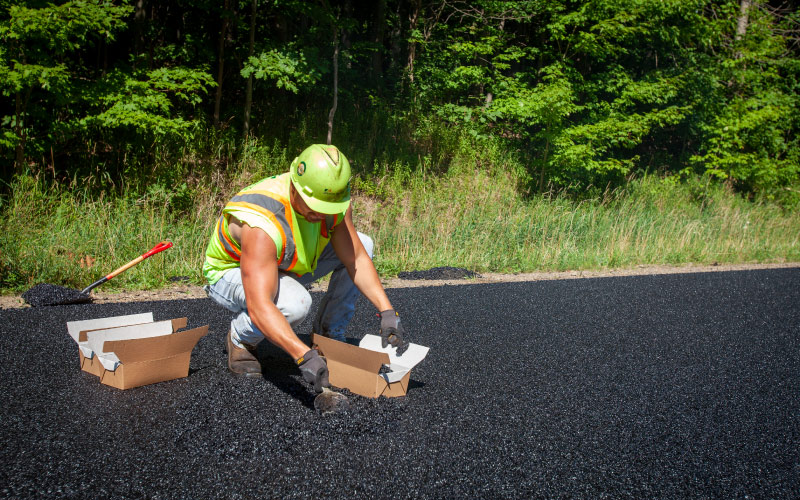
178, 292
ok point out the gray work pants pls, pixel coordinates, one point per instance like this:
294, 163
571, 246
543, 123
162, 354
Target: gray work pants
293, 300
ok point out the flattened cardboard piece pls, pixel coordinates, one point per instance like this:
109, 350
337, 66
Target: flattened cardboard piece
400, 365
356, 368
75, 327
77, 330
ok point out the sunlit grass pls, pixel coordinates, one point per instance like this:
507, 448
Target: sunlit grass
469, 215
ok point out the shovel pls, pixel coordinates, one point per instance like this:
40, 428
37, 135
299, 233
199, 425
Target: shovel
329, 401
45, 294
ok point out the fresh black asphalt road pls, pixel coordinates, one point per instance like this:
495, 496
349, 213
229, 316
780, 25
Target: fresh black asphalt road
670, 386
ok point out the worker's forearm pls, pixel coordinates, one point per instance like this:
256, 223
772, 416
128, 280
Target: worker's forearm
366, 279
277, 330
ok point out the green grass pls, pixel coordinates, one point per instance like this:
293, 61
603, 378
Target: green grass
63, 238
469, 215
477, 220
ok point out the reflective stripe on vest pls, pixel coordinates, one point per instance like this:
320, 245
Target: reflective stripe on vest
227, 244
277, 210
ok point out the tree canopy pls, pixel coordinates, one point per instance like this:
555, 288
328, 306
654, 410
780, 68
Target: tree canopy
584, 93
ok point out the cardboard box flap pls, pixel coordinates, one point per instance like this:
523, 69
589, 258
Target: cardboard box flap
97, 338
108, 360
78, 329
344, 353
149, 348
179, 323
400, 365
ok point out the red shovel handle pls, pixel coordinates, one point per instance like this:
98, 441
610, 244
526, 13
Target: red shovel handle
158, 248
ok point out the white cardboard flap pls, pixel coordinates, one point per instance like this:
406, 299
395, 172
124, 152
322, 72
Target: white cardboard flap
85, 350
109, 360
97, 338
75, 327
400, 365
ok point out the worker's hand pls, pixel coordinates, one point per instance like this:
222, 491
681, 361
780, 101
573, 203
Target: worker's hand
314, 369
392, 331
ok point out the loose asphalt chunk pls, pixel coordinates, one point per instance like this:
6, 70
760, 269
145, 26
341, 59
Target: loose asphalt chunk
672, 386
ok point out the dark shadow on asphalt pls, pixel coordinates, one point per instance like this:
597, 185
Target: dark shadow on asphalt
278, 369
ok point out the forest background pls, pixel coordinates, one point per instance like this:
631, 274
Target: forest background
494, 135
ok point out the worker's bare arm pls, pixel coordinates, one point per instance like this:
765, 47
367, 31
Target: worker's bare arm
260, 279
351, 252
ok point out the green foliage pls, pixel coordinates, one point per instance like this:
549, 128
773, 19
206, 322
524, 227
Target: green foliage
586, 94
751, 136
288, 69
36, 67
146, 103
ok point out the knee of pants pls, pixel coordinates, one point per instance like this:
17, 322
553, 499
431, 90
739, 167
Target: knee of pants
369, 245
294, 301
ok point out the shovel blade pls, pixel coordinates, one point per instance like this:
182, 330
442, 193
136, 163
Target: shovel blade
329, 401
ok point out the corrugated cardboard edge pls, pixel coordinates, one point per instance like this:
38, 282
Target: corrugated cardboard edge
356, 369
90, 365
173, 362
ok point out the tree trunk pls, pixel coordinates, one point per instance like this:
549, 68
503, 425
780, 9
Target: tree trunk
741, 24
248, 100
335, 83
220, 64
413, 18
744, 17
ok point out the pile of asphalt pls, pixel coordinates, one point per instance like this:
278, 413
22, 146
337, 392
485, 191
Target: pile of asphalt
667, 386
438, 273
45, 294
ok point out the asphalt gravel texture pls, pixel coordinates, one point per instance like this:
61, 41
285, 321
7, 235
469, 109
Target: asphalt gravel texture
45, 294
438, 273
669, 386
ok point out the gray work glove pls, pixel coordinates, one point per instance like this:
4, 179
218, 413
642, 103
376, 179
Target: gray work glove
392, 331
314, 369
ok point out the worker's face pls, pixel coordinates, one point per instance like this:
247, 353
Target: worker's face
302, 208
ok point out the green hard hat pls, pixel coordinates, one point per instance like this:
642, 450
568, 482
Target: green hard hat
321, 174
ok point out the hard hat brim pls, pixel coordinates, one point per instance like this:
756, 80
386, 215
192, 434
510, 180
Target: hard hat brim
325, 207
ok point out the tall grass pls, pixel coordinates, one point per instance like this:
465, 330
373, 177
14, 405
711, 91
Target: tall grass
475, 218
469, 213
55, 236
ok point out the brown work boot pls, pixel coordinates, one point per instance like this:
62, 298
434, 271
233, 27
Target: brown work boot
242, 362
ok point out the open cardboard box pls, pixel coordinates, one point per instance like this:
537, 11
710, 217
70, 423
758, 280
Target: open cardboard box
131, 351
357, 368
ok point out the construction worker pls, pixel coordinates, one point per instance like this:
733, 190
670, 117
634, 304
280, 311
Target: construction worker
278, 235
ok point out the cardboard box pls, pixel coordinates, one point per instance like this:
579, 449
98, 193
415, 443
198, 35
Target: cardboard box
357, 368
131, 351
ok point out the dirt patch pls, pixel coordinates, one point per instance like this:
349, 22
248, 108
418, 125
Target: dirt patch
176, 292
